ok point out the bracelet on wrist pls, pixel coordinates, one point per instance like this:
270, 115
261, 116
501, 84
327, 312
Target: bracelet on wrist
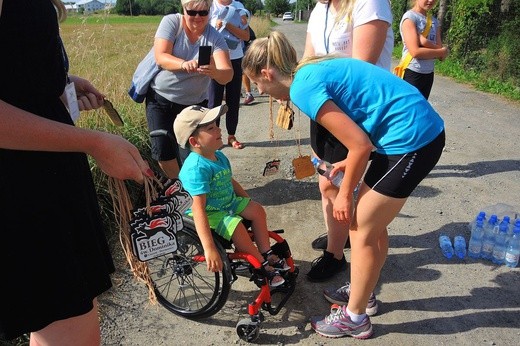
182, 63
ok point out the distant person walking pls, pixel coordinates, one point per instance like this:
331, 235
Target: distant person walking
246, 82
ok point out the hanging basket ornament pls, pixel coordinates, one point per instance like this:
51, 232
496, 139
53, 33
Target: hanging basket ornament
285, 117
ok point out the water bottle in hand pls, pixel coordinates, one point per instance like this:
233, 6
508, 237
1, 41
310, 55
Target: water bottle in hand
323, 168
446, 247
460, 246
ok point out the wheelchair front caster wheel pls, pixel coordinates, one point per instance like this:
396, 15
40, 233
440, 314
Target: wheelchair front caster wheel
248, 330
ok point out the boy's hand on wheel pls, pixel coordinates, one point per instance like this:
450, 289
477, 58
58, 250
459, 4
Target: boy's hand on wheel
213, 260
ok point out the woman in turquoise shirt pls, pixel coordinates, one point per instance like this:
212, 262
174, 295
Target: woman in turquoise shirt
366, 108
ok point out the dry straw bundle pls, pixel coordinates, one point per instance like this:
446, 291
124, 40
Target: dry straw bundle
123, 211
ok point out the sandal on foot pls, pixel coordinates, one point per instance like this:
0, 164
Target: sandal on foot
277, 263
274, 277
232, 141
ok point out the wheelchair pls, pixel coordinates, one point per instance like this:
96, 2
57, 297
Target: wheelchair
184, 286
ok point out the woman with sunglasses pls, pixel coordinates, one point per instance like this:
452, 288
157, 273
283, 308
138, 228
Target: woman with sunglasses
391, 116
182, 82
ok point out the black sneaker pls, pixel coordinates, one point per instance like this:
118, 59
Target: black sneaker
325, 267
320, 243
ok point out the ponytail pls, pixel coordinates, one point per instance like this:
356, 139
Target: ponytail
275, 51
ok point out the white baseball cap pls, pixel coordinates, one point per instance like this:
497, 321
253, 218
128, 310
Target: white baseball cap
193, 117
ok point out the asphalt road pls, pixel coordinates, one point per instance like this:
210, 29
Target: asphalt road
424, 298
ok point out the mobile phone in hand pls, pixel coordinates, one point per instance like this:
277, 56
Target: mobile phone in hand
204, 55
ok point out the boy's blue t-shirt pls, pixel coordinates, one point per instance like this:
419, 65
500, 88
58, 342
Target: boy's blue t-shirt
392, 112
200, 175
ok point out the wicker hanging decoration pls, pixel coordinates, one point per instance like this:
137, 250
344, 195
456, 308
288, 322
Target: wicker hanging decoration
285, 117
302, 165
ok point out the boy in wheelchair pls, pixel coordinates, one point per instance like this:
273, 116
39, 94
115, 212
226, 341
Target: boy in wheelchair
219, 202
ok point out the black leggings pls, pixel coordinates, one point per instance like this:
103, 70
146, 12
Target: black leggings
233, 90
422, 81
398, 175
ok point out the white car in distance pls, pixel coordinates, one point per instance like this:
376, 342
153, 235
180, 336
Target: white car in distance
287, 16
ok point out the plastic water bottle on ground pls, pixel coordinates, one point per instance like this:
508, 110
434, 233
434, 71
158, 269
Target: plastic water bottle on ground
323, 168
445, 245
475, 241
499, 250
459, 243
513, 249
510, 231
481, 215
488, 241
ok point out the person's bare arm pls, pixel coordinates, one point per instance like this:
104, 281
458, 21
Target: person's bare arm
359, 145
368, 40
309, 48
163, 56
239, 190
213, 260
21, 130
413, 43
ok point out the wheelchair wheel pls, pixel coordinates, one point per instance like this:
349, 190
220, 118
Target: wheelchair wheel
248, 330
183, 284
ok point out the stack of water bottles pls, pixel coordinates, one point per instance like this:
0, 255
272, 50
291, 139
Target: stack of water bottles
495, 240
491, 239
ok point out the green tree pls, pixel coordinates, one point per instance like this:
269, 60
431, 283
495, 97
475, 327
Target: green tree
304, 4
277, 7
253, 5
127, 7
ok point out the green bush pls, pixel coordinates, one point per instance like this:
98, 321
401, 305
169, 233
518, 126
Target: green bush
503, 53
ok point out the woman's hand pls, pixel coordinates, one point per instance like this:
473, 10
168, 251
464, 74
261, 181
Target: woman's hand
444, 51
219, 68
208, 70
337, 167
88, 96
117, 157
218, 24
342, 209
190, 66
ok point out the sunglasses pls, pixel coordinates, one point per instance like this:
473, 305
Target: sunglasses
193, 13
